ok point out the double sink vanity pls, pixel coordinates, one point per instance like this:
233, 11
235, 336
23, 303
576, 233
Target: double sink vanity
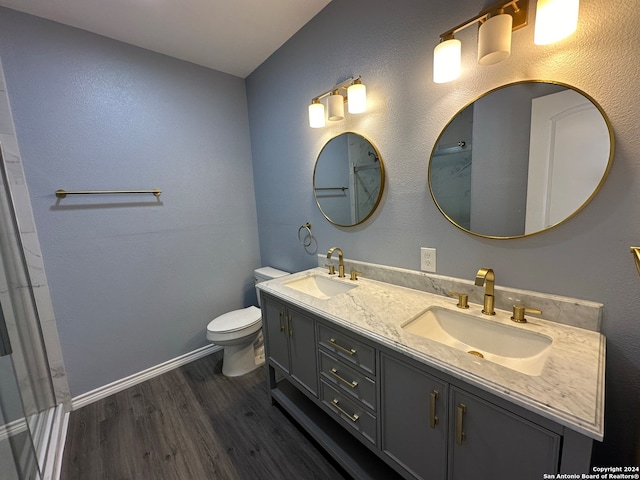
403, 374
396, 378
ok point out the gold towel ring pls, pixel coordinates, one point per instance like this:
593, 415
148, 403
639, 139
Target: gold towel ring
308, 236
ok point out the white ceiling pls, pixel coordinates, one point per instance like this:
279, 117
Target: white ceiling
232, 36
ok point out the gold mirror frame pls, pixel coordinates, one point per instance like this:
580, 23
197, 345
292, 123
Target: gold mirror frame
586, 201
327, 188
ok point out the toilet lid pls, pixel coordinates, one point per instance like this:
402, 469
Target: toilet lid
235, 320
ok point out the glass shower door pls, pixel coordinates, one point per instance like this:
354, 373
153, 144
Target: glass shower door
17, 453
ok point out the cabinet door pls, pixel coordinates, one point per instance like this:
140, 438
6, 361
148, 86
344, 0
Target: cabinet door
487, 441
414, 419
302, 337
276, 333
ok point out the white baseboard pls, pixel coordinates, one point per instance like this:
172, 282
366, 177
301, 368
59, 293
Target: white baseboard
53, 465
124, 383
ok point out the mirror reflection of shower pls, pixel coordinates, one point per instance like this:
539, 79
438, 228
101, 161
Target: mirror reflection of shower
364, 172
348, 179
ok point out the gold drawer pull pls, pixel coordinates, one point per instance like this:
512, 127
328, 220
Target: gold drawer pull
348, 351
460, 435
352, 384
433, 419
353, 418
281, 323
289, 325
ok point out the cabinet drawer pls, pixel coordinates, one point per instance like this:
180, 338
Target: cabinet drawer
348, 349
348, 380
351, 413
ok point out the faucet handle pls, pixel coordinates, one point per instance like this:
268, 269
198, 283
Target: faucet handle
463, 299
520, 310
332, 269
354, 274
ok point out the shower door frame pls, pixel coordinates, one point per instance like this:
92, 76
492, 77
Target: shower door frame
17, 227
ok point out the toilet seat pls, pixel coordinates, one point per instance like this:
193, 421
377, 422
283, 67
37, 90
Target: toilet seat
235, 320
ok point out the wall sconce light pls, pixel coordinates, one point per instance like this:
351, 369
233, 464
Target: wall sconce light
335, 102
316, 114
494, 39
555, 20
446, 59
355, 96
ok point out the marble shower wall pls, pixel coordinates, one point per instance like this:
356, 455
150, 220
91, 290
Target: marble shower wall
35, 281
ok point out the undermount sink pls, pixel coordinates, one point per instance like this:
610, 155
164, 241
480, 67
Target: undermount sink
509, 346
319, 287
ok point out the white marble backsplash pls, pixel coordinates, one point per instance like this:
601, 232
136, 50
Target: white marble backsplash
568, 311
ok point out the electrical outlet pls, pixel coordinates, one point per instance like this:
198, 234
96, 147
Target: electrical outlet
428, 259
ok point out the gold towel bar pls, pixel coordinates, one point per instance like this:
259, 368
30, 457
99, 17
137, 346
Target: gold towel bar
63, 193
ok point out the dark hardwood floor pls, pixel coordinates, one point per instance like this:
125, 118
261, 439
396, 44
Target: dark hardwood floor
191, 423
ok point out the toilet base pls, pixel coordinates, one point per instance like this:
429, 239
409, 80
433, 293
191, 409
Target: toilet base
240, 360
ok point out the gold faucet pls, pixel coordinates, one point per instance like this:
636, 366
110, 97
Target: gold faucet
486, 277
340, 260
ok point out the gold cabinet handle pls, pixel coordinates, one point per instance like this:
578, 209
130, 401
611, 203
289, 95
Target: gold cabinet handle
433, 419
352, 384
348, 351
460, 435
281, 322
289, 325
354, 418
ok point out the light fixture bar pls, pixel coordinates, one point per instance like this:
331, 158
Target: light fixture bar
351, 91
342, 85
520, 14
494, 38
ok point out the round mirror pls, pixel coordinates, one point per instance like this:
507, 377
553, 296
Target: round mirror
348, 179
521, 159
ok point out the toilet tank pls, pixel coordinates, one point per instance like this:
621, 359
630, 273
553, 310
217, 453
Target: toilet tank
266, 273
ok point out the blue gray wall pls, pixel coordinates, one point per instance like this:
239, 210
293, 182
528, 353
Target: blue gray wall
390, 44
134, 285
134, 280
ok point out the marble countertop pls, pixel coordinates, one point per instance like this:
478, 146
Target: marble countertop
569, 390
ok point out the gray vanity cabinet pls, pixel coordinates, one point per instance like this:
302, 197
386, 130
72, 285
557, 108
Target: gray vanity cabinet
291, 343
414, 419
435, 430
487, 441
405, 419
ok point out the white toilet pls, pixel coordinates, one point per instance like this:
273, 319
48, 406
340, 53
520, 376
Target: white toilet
237, 332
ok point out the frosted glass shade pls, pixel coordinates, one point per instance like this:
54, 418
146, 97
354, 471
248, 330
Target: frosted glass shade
316, 115
555, 20
494, 39
446, 61
357, 98
336, 107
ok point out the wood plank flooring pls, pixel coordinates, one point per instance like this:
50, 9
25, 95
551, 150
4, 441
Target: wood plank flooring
191, 424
